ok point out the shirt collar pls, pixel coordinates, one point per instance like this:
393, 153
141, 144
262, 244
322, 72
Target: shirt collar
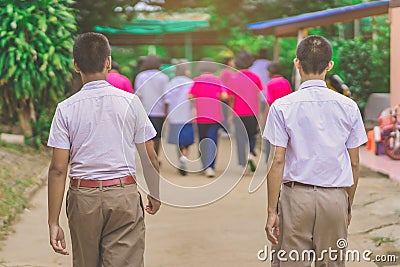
95, 85
313, 83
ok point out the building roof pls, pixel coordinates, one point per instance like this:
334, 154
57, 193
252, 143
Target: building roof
154, 26
291, 25
161, 32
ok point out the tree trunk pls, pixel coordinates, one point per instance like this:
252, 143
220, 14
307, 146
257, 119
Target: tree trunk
24, 117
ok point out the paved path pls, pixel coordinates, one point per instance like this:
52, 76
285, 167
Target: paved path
381, 163
228, 232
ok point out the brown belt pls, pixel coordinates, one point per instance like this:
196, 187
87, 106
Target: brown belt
103, 183
294, 183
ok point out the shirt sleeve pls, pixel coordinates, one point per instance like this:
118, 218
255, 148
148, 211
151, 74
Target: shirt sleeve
275, 130
143, 128
59, 135
357, 135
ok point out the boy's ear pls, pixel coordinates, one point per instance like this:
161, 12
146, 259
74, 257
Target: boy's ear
108, 63
297, 64
330, 65
77, 69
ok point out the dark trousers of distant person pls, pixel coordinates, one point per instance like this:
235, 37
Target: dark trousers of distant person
208, 141
245, 130
225, 112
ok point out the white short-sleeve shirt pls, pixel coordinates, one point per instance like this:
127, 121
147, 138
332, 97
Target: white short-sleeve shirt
179, 106
316, 126
150, 87
100, 125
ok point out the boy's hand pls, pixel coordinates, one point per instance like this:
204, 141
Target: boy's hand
57, 239
153, 205
271, 227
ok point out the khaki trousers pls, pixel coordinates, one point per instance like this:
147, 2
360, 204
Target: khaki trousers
106, 226
311, 218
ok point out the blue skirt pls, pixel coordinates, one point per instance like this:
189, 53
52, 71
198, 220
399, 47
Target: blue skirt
181, 134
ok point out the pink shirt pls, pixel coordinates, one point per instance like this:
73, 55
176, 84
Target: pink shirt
277, 87
206, 90
245, 87
119, 81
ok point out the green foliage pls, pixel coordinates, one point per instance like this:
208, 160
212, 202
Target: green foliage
36, 39
287, 52
364, 64
41, 128
252, 43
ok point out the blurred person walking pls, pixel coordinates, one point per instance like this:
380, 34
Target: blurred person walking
276, 88
180, 114
150, 87
93, 132
118, 80
316, 134
244, 87
226, 123
207, 92
260, 67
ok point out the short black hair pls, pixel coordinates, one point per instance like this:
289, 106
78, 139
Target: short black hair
243, 60
274, 68
314, 53
91, 51
151, 62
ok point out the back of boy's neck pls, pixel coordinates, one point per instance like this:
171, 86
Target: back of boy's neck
87, 78
309, 77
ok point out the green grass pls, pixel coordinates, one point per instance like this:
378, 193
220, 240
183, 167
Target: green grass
381, 240
18, 148
12, 200
20, 167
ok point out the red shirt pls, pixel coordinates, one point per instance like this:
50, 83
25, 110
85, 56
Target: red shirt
119, 81
206, 90
277, 87
245, 87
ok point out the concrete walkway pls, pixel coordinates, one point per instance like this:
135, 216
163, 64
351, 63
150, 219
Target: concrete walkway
381, 163
228, 232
